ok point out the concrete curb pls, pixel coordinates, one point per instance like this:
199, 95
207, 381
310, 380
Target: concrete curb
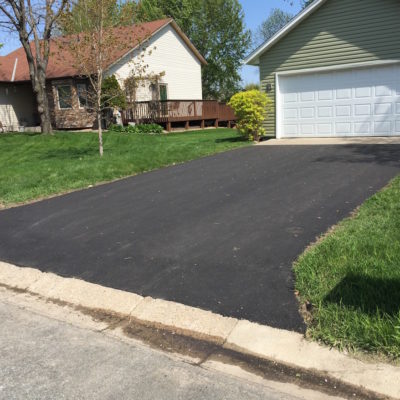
281, 346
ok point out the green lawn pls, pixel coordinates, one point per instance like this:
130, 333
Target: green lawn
35, 166
352, 279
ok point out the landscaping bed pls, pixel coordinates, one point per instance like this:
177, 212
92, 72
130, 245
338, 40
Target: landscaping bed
351, 279
35, 166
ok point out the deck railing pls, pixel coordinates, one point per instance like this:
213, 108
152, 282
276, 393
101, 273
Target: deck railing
169, 111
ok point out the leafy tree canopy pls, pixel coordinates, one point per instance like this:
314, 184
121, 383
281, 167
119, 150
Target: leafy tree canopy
306, 3
112, 94
276, 20
251, 86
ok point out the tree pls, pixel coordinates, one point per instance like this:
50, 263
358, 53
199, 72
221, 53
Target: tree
306, 3
112, 94
252, 86
276, 20
95, 47
250, 109
34, 23
216, 28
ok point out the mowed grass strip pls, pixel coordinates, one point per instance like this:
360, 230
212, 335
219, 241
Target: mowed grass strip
36, 166
352, 279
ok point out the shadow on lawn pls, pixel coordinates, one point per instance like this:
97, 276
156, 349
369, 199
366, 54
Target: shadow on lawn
385, 154
70, 153
235, 139
367, 294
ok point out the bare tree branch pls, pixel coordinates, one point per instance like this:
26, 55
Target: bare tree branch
34, 23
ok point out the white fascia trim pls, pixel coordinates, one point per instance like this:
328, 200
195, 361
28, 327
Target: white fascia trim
277, 108
339, 67
283, 32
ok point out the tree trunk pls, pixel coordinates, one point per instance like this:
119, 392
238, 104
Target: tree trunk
100, 131
39, 89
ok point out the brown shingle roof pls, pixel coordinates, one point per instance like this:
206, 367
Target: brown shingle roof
61, 60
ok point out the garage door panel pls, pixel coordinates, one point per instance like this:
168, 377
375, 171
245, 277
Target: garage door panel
325, 112
364, 101
344, 111
383, 109
307, 96
384, 91
343, 94
362, 128
362, 110
383, 127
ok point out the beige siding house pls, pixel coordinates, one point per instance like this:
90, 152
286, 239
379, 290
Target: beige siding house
172, 54
171, 57
334, 70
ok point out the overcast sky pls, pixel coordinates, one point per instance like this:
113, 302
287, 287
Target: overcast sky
255, 12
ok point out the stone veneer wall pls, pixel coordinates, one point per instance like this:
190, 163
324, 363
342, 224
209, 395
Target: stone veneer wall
73, 118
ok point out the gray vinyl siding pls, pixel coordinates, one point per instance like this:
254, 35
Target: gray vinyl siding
339, 32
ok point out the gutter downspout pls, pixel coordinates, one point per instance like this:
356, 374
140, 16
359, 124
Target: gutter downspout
14, 70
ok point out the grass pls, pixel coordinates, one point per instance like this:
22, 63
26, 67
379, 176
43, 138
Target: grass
35, 166
352, 279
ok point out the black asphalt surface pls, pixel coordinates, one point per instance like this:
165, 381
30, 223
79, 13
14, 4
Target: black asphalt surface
219, 233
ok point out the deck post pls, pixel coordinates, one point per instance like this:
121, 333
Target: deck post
186, 125
202, 124
168, 126
216, 123
229, 124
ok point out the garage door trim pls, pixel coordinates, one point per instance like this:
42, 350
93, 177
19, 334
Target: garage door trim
378, 63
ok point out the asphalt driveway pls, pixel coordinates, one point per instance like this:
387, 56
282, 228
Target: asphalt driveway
219, 233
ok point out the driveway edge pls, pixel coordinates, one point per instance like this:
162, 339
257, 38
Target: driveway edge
280, 346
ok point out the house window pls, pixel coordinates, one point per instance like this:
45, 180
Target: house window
64, 96
82, 95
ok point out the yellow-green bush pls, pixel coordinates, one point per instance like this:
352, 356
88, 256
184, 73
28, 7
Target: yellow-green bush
250, 108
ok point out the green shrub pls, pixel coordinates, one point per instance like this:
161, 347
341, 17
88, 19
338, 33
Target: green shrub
250, 108
112, 94
116, 128
150, 129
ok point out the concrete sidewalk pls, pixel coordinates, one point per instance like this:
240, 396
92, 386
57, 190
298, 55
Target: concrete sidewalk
215, 334
45, 358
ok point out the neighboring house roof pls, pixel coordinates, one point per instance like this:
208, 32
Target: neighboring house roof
14, 66
254, 57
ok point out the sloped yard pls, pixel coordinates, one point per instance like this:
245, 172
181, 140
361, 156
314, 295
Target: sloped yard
352, 279
35, 166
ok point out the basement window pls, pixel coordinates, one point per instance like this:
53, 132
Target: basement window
64, 97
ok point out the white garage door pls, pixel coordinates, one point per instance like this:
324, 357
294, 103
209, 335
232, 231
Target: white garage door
351, 102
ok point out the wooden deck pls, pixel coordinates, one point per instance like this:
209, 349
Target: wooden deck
179, 111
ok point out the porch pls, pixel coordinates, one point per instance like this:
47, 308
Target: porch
172, 112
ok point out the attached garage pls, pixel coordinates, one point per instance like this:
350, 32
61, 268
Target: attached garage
334, 71
342, 102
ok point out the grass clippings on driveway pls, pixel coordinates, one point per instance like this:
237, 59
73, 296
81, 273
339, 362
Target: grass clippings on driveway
34, 166
352, 279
